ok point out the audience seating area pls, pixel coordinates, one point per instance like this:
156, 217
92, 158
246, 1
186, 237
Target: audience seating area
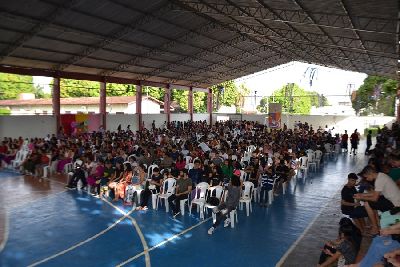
148, 165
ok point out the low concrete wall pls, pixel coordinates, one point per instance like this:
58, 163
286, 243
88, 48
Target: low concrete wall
27, 126
40, 126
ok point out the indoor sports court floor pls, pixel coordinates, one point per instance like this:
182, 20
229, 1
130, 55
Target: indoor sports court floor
41, 224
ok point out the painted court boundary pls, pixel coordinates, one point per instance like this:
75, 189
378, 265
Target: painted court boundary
163, 242
294, 245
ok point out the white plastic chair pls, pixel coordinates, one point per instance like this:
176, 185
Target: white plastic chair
318, 157
188, 159
68, 168
215, 191
168, 189
200, 198
336, 150
311, 160
247, 196
150, 170
17, 161
233, 214
303, 165
182, 204
328, 149
189, 166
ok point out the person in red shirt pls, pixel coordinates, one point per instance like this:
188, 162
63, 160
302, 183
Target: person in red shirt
345, 138
354, 142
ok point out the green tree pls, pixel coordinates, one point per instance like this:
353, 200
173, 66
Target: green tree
199, 102
298, 102
11, 85
226, 94
376, 96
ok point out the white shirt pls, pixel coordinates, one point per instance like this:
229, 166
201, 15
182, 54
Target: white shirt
388, 188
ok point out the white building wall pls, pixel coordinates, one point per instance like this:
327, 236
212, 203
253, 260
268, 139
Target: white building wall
113, 120
180, 116
201, 117
27, 126
159, 119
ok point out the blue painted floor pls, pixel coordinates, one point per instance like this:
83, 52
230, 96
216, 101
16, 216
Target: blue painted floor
50, 230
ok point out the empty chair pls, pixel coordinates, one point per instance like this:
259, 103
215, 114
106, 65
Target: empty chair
328, 149
213, 198
318, 157
303, 161
18, 159
246, 197
200, 198
336, 150
311, 160
168, 188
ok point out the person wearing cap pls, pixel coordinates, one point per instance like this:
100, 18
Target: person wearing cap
384, 197
351, 207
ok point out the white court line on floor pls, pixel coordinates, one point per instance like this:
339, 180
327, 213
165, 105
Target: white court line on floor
81, 243
6, 231
163, 242
292, 247
138, 230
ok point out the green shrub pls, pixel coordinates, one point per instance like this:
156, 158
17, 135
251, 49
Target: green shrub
373, 129
4, 111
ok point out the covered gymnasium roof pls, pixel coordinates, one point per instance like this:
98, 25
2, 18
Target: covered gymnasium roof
195, 42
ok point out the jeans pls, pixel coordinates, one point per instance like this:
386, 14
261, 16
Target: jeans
379, 246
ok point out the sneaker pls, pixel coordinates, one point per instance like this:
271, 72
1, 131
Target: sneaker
211, 231
227, 222
176, 214
145, 208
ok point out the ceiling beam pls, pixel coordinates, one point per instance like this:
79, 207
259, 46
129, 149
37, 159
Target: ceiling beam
299, 17
116, 35
48, 19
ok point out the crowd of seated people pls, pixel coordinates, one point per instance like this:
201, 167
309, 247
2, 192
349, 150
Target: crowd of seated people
371, 199
132, 166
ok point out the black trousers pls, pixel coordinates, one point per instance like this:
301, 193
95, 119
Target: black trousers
78, 175
174, 202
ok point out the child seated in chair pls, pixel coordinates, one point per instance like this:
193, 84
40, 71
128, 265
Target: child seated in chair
223, 210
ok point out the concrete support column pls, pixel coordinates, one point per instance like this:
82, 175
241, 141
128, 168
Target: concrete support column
56, 102
167, 103
190, 102
139, 106
103, 104
210, 105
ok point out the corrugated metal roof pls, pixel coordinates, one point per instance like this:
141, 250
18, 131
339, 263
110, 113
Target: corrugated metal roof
198, 42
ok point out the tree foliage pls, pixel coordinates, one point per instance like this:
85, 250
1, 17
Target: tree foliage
11, 85
376, 96
294, 99
228, 94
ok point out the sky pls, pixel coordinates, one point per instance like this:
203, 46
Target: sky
327, 81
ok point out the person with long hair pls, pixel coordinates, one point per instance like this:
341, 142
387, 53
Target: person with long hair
126, 179
117, 176
342, 247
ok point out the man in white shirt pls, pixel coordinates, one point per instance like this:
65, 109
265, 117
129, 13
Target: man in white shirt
384, 186
384, 197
